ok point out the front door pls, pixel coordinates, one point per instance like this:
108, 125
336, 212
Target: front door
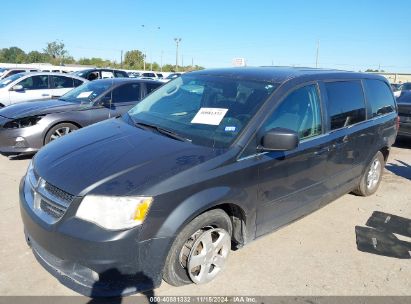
291, 182
34, 88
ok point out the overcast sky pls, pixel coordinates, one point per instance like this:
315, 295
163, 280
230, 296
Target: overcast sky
352, 34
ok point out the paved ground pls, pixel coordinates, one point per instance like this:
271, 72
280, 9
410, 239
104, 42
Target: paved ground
316, 255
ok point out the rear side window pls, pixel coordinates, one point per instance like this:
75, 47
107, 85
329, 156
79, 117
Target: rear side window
120, 74
61, 82
77, 82
379, 96
346, 104
151, 87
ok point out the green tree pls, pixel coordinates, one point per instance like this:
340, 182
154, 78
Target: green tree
56, 50
12, 55
134, 59
36, 56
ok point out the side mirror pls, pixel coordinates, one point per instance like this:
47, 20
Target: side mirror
279, 139
17, 88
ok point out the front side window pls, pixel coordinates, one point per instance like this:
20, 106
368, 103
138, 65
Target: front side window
208, 110
300, 111
379, 97
125, 93
38, 82
346, 104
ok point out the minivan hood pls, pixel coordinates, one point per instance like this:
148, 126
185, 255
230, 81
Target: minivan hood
32, 108
115, 158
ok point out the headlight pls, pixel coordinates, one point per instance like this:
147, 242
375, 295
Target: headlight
114, 213
23, 122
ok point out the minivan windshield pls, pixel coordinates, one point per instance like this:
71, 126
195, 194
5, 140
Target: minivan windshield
86, 92
207, 110
4, 82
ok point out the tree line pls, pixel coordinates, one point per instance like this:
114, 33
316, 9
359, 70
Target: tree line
56, 53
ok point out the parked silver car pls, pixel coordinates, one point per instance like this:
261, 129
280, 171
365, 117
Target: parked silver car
26, 127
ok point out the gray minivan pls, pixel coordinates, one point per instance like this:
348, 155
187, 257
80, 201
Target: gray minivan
207, 163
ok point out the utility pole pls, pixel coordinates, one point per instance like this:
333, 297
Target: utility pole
318, 53
121, 60
182, 61
192, 63
177, 41
161, 61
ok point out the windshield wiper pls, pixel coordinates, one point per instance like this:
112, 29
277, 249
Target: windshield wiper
161, 130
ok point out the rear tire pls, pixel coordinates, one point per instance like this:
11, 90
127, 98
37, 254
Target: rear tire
179, 257
372, 176
58, 131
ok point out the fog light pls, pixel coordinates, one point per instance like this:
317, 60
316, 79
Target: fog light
20, 142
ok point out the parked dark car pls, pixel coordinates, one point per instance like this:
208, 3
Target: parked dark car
26, 127
404, 112
210, 160
93, 74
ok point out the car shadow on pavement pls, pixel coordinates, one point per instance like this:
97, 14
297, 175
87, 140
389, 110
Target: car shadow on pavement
399, 168
20, 157
379, 237
108, 290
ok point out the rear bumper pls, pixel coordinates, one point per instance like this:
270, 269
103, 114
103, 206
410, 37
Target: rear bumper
404, 129
92, 261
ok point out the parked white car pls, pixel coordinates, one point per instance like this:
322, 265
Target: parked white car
34, 86
9, 72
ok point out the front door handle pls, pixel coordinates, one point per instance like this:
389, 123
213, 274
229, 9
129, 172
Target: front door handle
45, 95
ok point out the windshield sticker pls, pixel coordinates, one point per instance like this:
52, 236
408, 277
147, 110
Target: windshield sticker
209, 116
84, 94
229, 129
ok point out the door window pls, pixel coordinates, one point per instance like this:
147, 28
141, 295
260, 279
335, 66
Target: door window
300, 111
61, 82
379, 96
125, 93
151, 87
346, 105
38, 82
107, 74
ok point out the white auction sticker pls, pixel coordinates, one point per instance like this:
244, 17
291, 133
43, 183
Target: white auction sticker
84, 94
209, 116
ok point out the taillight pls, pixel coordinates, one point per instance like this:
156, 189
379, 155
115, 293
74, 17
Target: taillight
398, 123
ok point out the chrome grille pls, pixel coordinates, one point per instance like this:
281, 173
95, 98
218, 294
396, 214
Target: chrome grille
49, 202
58, 193
51, 209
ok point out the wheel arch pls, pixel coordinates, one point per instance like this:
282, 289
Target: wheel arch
213, 198
58, 123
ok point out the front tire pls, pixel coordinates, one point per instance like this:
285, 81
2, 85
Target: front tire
372, 176
200, 250
58, 131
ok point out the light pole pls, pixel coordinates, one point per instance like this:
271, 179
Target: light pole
177, 40
150, 49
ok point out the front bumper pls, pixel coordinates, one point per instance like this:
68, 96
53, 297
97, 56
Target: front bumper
19, 141
93, 261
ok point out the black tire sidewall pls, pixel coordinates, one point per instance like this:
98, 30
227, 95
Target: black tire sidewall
47, 138
174, 273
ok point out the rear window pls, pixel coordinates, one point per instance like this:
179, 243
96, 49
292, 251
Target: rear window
346, 105
379, 97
